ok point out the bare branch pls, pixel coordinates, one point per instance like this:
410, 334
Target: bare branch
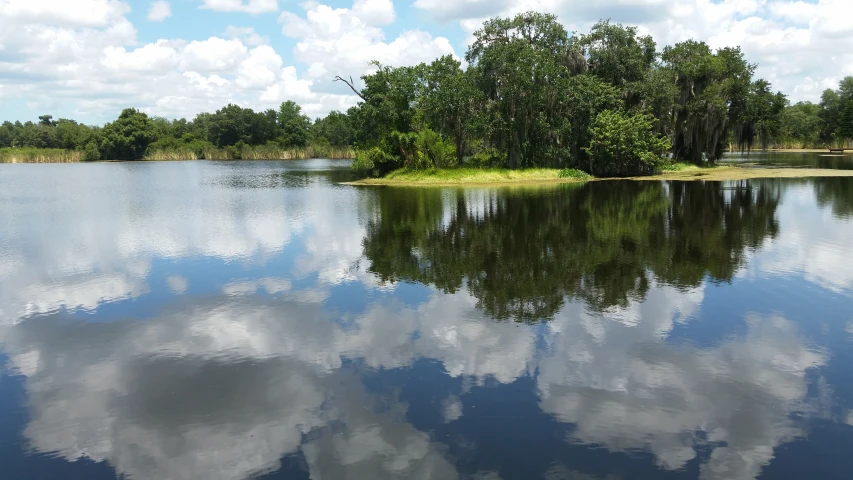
350, 85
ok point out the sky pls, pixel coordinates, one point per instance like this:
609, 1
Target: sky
89, 59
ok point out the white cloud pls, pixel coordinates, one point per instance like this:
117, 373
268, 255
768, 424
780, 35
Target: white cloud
213, 55
812, 245
247, 6
177, 284
260, 69
625, 388
153, 59
344, 41
249, 287
246, 34
79, 13
794, 12
462, 9
160, 10
375, 12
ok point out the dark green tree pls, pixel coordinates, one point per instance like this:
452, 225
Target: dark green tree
335, 128
618, 56
293, 125
801, 124
448, 101
128, 137
230, 125
522, 67
712, 91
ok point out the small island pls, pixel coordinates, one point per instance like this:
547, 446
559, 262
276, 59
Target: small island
549, 176
534, 104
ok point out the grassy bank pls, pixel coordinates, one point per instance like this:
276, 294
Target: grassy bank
474, 176
39, 155
678, 172
790, 150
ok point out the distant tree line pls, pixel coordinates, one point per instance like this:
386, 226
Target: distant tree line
134, 134
608, 102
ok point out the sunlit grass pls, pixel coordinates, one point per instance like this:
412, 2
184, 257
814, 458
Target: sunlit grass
39, 155
685, 167
474, 176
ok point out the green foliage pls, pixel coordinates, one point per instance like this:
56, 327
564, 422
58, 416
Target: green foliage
232, 124
128, 137
574, 173
91, 152
487, 158
374, 162
845, 123
336, 129
761, 117
434, 151
836, 112
293, 125
522, 67
712, 92
617, 56
801, 125
623, 145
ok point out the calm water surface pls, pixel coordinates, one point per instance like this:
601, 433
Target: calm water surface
838, 161
201, 320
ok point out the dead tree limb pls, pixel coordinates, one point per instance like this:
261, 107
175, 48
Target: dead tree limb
350, 85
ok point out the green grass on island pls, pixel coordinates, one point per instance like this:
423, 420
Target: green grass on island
678, 171
476, 176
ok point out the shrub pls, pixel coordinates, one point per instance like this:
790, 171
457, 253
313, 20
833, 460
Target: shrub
434, 151
573, 173
91, 152
487, 158
374, 162
624, 145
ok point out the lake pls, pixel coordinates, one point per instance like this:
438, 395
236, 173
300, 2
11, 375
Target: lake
230, 320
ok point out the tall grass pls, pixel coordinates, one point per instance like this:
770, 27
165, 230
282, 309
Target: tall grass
260, 152
39, 155
474, 176
172, 154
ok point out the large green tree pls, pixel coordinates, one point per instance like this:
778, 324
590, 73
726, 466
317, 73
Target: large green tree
522, 67
128, 137
335, 128
293, 125
712, 91
447, 101
618, 56
801, 124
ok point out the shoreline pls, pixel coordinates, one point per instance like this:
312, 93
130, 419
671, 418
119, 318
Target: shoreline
164, 160
785, 150
549, 177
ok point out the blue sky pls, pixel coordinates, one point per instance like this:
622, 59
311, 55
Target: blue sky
88, 59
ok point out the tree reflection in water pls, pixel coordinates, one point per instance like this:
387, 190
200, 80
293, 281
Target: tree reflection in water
521, 253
